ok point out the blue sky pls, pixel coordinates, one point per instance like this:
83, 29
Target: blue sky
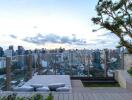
51, 24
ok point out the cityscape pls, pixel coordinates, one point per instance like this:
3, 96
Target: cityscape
82, 63
66, 50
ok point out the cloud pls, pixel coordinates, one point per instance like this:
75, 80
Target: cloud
106, 35
13, 36
53, 38
102, 42
103, 35
106, 39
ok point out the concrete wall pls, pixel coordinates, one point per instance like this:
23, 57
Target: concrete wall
119, 77
127, 61
124, 79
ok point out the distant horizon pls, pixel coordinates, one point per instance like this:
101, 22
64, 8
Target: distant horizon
16, 48
52, 24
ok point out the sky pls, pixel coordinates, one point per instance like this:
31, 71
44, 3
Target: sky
51, 24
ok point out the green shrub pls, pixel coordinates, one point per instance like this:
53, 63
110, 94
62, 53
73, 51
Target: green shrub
12, 97
34, 97
130, 71
21, 98
49, 97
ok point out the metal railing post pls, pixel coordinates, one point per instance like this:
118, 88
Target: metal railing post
29, 67
8, 73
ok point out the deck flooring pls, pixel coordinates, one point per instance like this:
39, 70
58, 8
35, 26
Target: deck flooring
82, 93
87, 95
94, 96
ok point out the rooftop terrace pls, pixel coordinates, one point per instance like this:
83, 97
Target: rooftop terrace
81, 93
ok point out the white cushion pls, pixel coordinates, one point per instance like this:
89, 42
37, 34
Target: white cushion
43, 89
56, 85
23, 88
36, 85
62, 89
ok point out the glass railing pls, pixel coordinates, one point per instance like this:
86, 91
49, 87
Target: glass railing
16, 70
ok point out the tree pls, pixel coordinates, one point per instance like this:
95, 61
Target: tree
117, 18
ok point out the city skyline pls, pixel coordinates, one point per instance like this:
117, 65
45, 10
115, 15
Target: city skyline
51, 24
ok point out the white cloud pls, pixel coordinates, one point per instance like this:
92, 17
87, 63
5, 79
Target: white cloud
26, 22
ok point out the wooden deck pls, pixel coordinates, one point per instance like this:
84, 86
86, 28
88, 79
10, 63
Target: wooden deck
83, 96
81, 93
94, 96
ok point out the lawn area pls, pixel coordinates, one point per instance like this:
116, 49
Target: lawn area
100, 84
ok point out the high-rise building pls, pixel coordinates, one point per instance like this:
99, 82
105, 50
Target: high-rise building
20, 50
1, 52
8, 53
96, 59
2, 63
11, 48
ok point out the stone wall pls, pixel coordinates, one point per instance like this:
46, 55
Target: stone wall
127, 61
